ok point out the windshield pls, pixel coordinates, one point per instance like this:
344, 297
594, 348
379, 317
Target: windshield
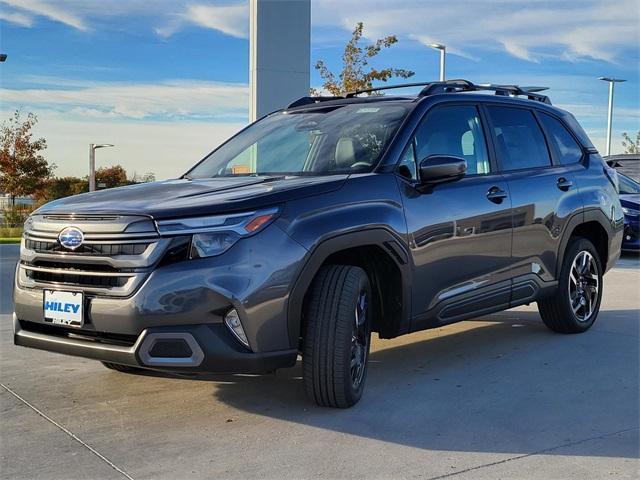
343, 139
627, 186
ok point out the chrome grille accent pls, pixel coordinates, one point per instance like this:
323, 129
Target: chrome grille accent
108, 249
116, 256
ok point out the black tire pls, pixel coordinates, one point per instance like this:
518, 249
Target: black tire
338, 307
120, 368
557, 311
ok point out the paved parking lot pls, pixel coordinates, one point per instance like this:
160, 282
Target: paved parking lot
501, 397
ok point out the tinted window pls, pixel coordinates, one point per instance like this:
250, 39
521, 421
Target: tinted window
519, 140
345, 139
568, 149
627, 186
455, 131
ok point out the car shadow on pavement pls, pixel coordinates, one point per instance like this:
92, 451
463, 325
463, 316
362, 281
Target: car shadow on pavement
509, 385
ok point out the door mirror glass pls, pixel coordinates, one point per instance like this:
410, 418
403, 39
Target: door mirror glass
442, 168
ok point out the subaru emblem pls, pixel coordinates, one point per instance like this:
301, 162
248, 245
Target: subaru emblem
70, 238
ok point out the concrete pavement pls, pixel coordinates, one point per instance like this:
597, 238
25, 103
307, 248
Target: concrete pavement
501, 397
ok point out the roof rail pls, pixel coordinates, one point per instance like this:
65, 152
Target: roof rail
532, 93
446, 86
459, 85
311, 100
386, 87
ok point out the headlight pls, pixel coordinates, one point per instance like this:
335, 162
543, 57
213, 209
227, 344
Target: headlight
630, 212
28, 224
212, 244
214, 235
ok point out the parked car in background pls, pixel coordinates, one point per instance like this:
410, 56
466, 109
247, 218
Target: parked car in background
626, 163
630, 199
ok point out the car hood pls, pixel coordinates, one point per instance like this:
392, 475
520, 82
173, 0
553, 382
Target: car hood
183, 197
630, 201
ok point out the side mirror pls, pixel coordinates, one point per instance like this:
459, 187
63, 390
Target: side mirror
442, 168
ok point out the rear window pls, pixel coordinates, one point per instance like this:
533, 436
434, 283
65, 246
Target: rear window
519, 139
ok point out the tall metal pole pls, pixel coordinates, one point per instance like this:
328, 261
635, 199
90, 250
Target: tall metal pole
92, 167
610, 119
443, 53
610, 113
92, 163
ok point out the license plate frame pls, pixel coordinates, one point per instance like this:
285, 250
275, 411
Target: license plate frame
65, 308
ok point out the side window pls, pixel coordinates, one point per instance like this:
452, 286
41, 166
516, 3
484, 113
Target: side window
455, 131
567, 148
519, 140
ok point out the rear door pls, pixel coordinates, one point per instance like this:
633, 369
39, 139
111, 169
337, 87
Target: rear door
543, 191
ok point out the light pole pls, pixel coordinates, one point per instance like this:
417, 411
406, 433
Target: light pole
3, 57
610, 117
443, 52
92, 163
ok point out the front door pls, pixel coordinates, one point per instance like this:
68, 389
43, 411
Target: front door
460, 232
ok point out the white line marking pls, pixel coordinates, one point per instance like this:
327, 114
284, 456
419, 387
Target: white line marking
68, 432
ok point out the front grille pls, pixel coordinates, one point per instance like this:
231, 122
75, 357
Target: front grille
104, 249
69, 217
116, 256
77, 280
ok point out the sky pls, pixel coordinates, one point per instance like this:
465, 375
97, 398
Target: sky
167, 80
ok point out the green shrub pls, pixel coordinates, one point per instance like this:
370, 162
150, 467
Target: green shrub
14, 216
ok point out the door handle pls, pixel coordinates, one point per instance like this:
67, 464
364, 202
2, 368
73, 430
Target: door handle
496, 194
564, 184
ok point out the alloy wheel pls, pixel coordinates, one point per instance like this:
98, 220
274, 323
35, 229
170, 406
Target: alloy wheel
584, 286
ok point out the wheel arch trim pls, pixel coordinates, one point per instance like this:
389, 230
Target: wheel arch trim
580, 218
378, 237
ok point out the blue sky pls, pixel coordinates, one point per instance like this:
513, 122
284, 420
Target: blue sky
166, 80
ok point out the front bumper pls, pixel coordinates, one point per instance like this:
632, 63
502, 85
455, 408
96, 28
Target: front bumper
210, 349
186, 300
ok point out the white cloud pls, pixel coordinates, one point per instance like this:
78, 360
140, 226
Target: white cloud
16, 17
46, 9
166, 148
529, 30
162, 127
168, 99
231, 20
526, 29
518, 51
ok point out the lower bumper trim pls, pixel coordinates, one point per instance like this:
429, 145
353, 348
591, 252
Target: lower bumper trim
219, 352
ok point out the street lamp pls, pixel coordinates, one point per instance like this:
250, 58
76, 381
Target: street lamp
92, 163
610, 117
443, 52
3, 57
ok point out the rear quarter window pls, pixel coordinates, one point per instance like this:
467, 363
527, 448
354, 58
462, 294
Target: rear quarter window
566, 147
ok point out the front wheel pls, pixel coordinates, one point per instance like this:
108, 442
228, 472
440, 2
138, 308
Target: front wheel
575, 306
337, 336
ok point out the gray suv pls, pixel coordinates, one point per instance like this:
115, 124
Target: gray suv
322, 223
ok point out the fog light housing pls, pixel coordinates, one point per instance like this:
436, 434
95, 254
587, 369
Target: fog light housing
232, 321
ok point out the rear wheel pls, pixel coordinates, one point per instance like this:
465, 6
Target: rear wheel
119, 367
337, 336
575, 306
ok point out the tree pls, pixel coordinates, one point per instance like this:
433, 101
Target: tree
146, 178
109, 177
356, 73
631, 146
23, 168
54, 188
